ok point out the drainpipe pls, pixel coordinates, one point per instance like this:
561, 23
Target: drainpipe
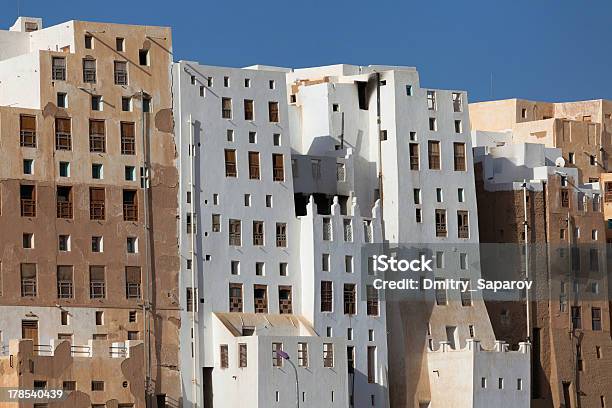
194, 292
526, 228
147, 293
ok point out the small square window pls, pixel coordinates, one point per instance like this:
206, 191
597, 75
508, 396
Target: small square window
523, 113
130, 173
28, 241
96, 103
282, 268
458, 127
215, 199
277, 139
268, 201
433, 126
230, 135
143, 57
252, 137
146, 104
126, 104
259, 269
247, 83
202, 91
28, 166
97, 244
132, 245
409, 90
349, 333
570, 157
413, 136
235, 267
97, 171
88, 42
209, 82
64, 169
64, 243
271, 84
335, 107
226, 82
120, 44
132, 335
247, 200
460, 195
62, 100
132, 316
439, 197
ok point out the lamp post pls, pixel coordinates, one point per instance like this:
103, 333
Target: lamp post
285, 356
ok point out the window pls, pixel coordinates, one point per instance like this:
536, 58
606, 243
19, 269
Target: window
97, 385
130, 205
143, 58
268, 201
130, 173
226, 108
284, 300
258, 233
235, 233
434, 155
281, 234
460, 195
348, 264
463, 261
28, 200
340, 172
248, 110
278, 168
483, 382
126, 104
325, 262
576, 317
88, 42
466, 295
328, 355
302, 354
189, 299
132, 282
121, 73
96, 203
62, 100
97, 171
283, 268
431, 100
440, 223
414, 156
146, 103
372, 300
128, 138
458, 126
500, 383
247, 200
97, 136
69, 385
571, 158
433, 124
64, 243
463, 230
271, 84
440, 292
120, 44
242, 355
96, 103
327, 229
235, 297
439, 195
418, 215
260, 297
409, 90
459, 156
235, 267
27, 131
63, 137
64, 282
224, 355
97, 282
457, 102
347, 229
252, 137
276, 139
63, 200
371, 364
28, 280
89, 70
273, 112
326, 296
596, 319
96, 244
58, 68
383, 135
230, 163
216, 222
315, 168
230, 135
349, 299
564, 198
523, 113
28, 166
131, 245
254, 165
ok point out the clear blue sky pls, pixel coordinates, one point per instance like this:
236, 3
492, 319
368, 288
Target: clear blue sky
536, 49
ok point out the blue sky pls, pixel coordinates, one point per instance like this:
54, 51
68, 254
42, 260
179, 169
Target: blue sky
551, 50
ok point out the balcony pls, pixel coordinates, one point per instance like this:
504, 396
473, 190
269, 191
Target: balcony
441, 230
258, 239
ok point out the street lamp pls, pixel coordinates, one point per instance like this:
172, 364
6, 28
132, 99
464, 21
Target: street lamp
285, 356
